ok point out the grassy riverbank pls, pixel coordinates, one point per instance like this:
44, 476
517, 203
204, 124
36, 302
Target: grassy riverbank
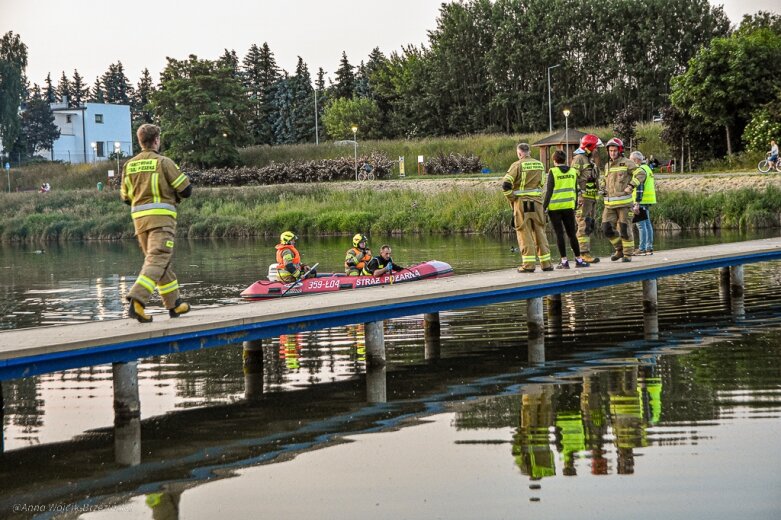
346, 208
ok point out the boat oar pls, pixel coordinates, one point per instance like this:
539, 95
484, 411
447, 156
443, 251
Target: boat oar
300, 279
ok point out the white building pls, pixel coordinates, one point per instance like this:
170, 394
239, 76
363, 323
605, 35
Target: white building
91, 132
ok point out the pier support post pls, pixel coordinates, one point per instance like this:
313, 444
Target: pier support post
724, 277
535, 324
554, 306
252, 364
431, 336
376, 384
375, 343
2, 420
127, 414
650, 297
736, 280
651, 325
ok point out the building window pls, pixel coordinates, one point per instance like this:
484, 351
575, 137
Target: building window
99, 149
99, 118
68, 118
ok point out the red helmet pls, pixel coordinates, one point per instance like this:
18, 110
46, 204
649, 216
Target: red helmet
616, 142
590, 142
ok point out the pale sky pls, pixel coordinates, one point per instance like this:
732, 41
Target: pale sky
89, 35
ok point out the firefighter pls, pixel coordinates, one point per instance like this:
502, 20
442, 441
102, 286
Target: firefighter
622, 176
357, 257
289, 266
522, 185
588, 180
153, 185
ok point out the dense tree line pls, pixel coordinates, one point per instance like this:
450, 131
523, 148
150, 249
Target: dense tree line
484, 68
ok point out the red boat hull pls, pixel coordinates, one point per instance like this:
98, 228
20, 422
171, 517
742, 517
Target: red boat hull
262, 289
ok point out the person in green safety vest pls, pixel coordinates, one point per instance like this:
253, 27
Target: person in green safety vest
560, 194
645, 196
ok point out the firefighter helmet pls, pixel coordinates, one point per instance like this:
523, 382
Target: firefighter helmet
287, 237
617, 143
357, 239
590, 142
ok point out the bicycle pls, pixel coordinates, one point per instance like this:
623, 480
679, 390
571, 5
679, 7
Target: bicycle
764, 165
365, 176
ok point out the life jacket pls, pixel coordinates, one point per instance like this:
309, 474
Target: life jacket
281, 250
359, 256
563, 189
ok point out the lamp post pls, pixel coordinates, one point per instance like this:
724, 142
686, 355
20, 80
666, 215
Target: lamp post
94, 146
566, 130
355, 143
117, 151
317, 132
550, 111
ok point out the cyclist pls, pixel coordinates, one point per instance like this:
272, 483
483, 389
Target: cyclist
773, 160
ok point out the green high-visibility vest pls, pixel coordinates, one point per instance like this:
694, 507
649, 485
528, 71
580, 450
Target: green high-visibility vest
563, 189
649, 190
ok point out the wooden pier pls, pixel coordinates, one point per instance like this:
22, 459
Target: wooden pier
45, 349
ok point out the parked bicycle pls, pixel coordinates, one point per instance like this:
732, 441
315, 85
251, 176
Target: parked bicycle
765, 165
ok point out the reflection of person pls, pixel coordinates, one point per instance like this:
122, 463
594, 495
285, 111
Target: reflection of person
588, 180
560, 195
152, 185
289, 266
645, 195
357, 257
522, 185
621, 179
382, 264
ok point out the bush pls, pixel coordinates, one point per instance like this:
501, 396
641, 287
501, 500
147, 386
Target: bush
442, 164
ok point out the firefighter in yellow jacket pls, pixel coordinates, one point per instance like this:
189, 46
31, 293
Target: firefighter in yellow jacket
588, 185
152, 185
522, 185
357, 257
622, 176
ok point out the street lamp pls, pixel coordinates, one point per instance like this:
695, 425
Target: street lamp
566, 129
94, 146
355, 143
550, 112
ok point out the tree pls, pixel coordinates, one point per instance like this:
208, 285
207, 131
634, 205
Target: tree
116, 86
345, 79
64, 89
79, 90
38, 129
260, 74
759, 20
343, 113
765, 125
50, 93
98, 95
13, 61
303, 104
230, 60
141, 112
282, 103
625, 126
202, 111
727, 80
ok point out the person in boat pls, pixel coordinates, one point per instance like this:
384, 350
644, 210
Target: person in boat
357, 257
382, 264
289, 266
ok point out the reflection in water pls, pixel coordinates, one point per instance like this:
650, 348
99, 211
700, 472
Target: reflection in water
578, 420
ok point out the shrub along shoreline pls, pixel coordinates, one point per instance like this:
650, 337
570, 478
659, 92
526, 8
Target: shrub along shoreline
333, 209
